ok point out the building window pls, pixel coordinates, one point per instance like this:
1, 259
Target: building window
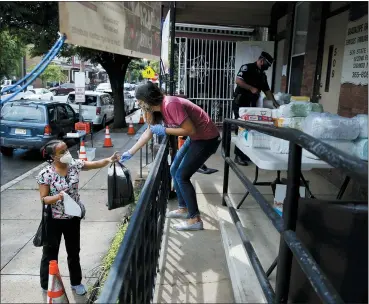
300, 30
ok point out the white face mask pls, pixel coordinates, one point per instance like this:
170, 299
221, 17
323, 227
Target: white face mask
66, 158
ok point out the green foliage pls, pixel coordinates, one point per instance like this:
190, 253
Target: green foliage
12, 51
52, 73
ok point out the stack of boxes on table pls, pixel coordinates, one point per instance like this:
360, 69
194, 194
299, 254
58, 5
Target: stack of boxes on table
347, 134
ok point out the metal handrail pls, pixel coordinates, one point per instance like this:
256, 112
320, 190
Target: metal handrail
131, 278
290, 245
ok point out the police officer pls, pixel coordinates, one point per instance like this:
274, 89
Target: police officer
250, 80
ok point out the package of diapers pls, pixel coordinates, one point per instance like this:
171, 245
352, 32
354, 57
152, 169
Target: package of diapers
255, 139
363, 122
279, 146
299, 109
361, 148
343, 145
331, 126
292, 123
257, 115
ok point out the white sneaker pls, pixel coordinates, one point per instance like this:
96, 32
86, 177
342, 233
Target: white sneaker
177, 215
79, 289
185, 226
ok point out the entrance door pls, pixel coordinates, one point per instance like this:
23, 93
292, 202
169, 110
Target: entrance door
334, 46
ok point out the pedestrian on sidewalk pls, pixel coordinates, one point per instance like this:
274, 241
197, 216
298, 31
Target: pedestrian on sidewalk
172, 115
59, 177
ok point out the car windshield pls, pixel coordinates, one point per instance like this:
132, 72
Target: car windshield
14, 112
103, 86
90, 100
12, 90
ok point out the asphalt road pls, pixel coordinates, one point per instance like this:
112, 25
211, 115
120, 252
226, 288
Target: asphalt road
24, 160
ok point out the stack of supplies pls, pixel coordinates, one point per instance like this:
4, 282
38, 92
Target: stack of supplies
254, 139
361, 143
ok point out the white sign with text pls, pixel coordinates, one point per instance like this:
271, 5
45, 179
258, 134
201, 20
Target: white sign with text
355, 60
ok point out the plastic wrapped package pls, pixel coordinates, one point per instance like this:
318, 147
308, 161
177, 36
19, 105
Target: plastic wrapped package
317, 107
361, 148
331, 126
300, 98
275, 113
256, 115
296, 109
343, 145
279, 146
255, 139
363, 122
293, 122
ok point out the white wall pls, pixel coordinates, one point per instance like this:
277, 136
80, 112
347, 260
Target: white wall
249, 52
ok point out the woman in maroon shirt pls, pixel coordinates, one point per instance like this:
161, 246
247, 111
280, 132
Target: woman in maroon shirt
170, 115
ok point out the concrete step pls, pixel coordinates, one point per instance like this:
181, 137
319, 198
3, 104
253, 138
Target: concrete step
245, 285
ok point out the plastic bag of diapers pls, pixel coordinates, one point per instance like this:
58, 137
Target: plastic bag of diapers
255, 139
363, 122
292, 123
299, 109
331, 126
343, 145
279, 146
257, 115
361, 148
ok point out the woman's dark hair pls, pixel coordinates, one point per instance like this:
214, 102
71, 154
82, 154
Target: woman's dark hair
150, 93
48, 150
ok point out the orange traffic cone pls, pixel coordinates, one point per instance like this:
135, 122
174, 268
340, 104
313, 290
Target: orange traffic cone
131, 130
82, 151
56, 291
142, 121
107, 142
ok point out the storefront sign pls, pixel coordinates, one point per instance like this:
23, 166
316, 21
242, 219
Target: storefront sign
126, 28
355, 61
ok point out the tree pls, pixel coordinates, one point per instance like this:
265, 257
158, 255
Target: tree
12, 51
52, 73
38, 24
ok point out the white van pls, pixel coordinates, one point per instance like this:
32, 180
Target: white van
98, 107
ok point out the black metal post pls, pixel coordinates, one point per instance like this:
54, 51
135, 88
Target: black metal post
172, 43
289, 218
227, 148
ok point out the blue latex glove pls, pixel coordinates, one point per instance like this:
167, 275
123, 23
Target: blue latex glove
125, 156
158, 130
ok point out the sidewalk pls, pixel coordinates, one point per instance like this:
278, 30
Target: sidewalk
20, 217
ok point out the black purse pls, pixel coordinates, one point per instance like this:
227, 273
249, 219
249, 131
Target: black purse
42, 235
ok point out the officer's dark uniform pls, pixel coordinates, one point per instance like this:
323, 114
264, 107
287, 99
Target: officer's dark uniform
253, 76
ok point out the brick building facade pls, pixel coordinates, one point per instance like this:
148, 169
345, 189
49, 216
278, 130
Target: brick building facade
310, 65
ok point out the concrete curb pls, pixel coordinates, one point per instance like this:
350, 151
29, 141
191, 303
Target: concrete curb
22, 177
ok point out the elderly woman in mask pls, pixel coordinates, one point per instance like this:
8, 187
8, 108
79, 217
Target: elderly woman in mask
59, 177
170, 115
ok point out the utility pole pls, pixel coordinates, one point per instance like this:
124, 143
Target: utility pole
81, 69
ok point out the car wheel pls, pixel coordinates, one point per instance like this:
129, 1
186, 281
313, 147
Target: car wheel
103, 123
6, 151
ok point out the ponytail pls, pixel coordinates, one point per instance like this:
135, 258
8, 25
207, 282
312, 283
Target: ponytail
48, 150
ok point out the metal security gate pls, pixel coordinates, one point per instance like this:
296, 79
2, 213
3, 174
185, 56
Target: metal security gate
206, 74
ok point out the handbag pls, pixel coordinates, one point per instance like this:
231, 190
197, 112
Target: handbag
41, 236
120, 187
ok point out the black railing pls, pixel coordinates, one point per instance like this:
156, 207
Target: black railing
132, 276
290, 245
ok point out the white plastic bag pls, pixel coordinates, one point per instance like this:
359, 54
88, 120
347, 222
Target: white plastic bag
363, 122
343, 145
254, 139
361, 148
279, 146
70, 206
331, 126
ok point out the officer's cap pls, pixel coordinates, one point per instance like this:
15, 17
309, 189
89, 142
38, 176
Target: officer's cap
267, 57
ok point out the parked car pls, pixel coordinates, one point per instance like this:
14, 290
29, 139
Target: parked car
40, 94
19, 96
30, 124
129, 103
98, 107
104, 87
63, 89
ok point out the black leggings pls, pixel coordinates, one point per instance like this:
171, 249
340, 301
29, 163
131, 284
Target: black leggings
70, 228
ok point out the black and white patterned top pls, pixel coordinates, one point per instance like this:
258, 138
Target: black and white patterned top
58, 183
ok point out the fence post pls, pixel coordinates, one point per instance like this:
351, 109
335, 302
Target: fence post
226, 142
290, 207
